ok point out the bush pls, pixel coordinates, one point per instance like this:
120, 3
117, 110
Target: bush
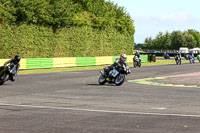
56, 28
31, 41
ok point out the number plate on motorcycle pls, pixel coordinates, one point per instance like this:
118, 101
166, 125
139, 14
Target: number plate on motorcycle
115, 73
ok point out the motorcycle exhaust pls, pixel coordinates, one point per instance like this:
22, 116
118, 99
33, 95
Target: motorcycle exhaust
102, 72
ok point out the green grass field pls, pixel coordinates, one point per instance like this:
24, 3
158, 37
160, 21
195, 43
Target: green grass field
34, 71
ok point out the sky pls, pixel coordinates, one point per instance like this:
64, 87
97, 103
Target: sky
154, 16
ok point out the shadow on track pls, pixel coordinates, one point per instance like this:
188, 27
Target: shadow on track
101, 85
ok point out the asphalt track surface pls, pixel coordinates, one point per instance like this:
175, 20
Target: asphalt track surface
73, 102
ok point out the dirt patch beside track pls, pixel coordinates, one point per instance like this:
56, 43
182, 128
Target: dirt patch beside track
184, 79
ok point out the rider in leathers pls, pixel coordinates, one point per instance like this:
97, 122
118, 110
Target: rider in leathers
119, 62
137, 54
177, 55
14, 65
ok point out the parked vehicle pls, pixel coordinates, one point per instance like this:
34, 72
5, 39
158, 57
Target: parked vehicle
116, 76
183, 50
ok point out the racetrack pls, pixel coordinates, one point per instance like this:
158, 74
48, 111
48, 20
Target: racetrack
66, 102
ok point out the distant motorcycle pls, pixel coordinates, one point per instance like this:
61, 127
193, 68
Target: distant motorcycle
136, 62
178, 60
6, 73
191, 59
166, 56
116, 76
186, 56
198, 57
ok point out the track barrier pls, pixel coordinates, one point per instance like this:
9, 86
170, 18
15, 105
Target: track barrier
36, 63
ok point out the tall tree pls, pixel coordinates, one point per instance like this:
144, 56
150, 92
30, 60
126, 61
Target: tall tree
167, 41
148, 44
159, 41
196, 36
177, 40
190, 41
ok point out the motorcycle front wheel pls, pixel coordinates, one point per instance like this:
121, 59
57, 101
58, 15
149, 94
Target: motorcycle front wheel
135, 64
119, 80
139, 64
177, 62
102, 80
3, 79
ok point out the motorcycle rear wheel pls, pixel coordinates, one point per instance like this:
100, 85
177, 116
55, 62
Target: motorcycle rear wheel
3, 79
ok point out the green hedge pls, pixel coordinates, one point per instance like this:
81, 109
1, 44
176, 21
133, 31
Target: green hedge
31, 41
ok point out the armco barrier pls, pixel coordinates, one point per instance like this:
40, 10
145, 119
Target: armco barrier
104, 60
144, 58
39, 63
64, 62
22, 63
85, 61
2, 61
35, 63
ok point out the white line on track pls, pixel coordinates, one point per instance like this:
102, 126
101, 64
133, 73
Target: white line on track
159, 108
101, 111
77, 72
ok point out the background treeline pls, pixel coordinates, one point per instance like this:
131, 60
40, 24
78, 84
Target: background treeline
60, 28
173, 41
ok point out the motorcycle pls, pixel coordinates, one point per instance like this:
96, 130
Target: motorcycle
136, 62
178, 60
198, 57
166, 56
7, 73
116, 76
186, 56
191, 59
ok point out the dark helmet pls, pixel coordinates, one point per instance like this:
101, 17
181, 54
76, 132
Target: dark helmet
123, 57
17, 58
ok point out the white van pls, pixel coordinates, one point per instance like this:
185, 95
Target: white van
195, 50
183, 50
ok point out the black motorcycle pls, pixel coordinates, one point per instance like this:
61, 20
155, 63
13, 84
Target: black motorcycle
166, 56
186, 56
116, 75
7, 73
178, 60
136, 62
